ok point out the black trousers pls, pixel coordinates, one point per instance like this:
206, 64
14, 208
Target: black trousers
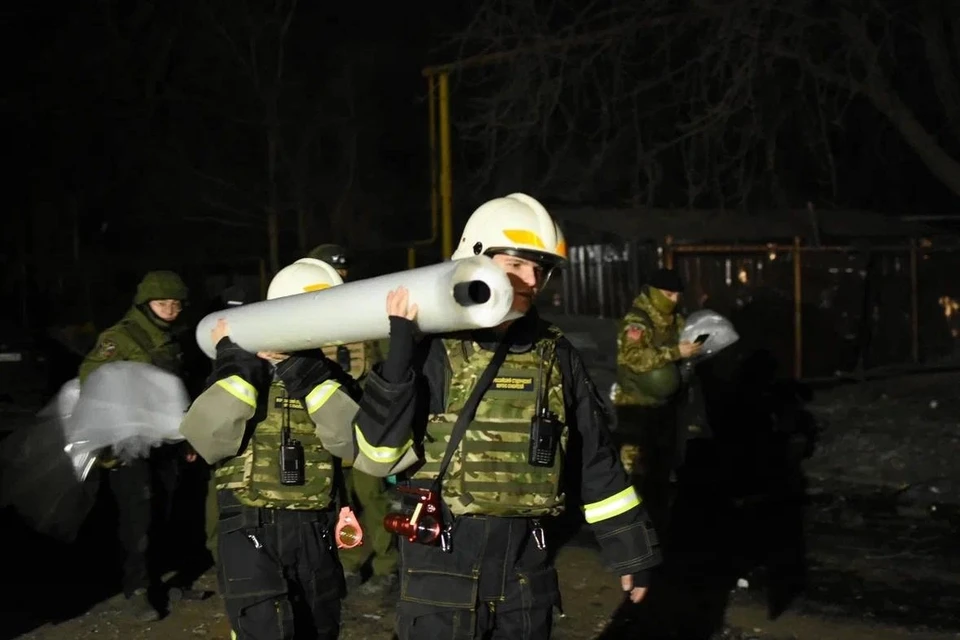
494, 584
143, 493
278, 572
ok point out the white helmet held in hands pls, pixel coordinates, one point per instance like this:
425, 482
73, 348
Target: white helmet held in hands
303, 276
516, 225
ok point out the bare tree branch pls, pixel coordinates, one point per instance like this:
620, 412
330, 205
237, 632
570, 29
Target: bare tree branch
713, 90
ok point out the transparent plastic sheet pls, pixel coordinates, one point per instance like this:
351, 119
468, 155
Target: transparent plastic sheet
45, 466
719, 331
40, 478
129, 406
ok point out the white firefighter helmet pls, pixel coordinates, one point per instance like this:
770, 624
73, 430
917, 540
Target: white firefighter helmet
517, 225
303, 276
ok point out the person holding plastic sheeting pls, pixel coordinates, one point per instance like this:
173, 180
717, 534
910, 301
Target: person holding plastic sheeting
367, 493
143, 488
495, 414
649, 353
274, 424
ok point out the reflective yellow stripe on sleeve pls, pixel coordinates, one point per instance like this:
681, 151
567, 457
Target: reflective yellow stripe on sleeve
381, 455
240, 389
320, 394
611, 507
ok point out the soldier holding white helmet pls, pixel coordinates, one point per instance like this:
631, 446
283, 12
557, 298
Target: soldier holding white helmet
266, 422
492, 416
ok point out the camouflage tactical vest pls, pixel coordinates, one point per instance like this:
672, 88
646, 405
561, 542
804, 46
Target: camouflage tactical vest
254, 475
489, 473
351, 357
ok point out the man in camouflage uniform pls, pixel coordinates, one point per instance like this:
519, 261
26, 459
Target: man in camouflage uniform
648, 379
143, 488
486, 570
277, 568
367, 494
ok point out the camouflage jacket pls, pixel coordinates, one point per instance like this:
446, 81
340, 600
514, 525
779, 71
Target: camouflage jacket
134, 339
647, 354
394, 420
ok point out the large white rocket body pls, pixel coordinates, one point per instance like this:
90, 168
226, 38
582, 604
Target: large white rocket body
451, 296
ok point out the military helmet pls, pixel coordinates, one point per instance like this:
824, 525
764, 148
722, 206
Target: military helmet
303, 276
333, 254
161, 285
660, 383
517, 225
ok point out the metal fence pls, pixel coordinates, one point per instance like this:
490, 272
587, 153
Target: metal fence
819, 310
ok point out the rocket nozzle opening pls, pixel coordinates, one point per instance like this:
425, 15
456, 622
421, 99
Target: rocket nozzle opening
471, 293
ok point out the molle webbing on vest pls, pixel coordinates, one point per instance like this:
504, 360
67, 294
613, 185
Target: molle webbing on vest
254, 475
489, 472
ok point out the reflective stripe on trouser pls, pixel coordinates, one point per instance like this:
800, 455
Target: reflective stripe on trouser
278, 573
495, 579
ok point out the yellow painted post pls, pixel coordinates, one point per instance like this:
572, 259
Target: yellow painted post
797, 310
434, 186
446, 177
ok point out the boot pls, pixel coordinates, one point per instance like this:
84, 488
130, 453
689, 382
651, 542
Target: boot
139, 607
352, 579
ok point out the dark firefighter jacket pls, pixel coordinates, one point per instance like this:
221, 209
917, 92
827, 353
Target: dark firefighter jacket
397, 400
220, 421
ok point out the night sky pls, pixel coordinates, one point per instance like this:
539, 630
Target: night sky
137, 137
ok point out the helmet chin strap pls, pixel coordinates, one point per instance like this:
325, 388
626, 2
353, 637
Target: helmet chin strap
547, 274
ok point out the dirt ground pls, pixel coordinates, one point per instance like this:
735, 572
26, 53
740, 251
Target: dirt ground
591, 601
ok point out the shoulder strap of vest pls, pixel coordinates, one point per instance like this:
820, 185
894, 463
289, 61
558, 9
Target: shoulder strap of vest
546, 359
457, 354
139, 335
